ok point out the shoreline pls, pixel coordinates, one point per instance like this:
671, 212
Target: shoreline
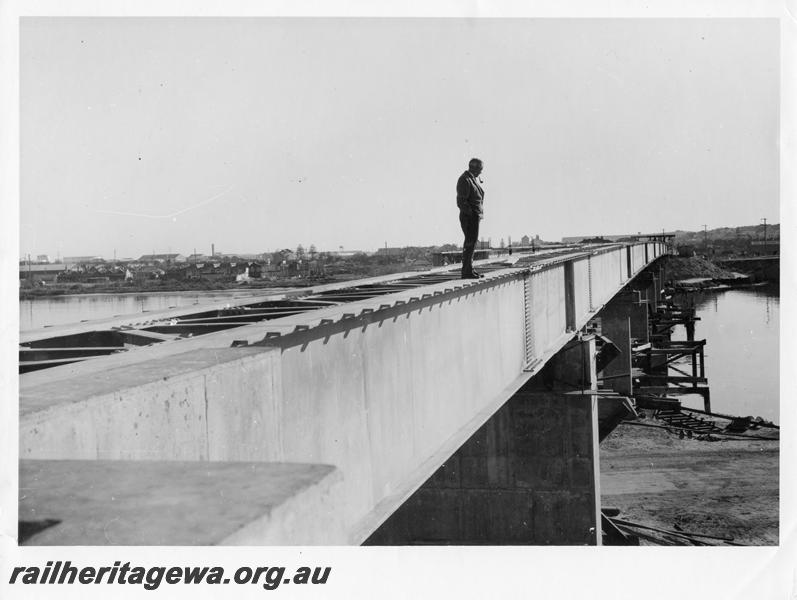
727, 488
696, 274
699, 284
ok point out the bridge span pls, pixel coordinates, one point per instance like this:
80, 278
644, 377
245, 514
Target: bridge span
364, 411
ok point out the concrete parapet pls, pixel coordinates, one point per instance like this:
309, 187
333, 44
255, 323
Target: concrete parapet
376, 400
170, 409
122, 503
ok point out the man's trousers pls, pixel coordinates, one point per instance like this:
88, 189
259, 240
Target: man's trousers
470, 227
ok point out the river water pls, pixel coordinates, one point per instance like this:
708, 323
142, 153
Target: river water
742, 331
62, 310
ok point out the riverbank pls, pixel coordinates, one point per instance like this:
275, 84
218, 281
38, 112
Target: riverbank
689, 274
28, 291
695, 268
724, 488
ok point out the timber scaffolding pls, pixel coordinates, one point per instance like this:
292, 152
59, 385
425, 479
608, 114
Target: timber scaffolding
654, 361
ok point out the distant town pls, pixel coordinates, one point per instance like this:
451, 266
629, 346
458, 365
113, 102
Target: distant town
299, 266
43, 275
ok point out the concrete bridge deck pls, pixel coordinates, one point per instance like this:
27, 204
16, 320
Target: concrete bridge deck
379, 391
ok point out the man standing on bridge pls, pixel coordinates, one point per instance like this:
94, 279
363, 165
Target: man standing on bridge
470, 197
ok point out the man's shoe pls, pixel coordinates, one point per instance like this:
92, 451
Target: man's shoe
478, 274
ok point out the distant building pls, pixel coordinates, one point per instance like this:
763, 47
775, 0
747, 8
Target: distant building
215, 270
80, 260
47, 273
765, 247
147, 274
628, 237
249, 257
43, 259
162, 259
441, 259
255, 270
345, 253
390, 252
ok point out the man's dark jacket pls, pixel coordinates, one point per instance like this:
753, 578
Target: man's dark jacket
470, 195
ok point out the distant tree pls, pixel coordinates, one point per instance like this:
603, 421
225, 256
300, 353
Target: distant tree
313, 251
502, 245
300, 252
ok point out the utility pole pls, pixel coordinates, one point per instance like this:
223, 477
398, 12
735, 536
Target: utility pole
705, 237
764, 219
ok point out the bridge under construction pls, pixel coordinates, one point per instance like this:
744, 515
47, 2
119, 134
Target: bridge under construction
415, 408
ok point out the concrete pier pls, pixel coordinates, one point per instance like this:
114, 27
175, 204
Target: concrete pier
616, 326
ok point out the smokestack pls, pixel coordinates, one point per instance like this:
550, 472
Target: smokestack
213, 249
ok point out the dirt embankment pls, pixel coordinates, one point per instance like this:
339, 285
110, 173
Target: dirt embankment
725, 488
695, 267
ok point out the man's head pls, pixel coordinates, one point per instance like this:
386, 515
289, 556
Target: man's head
475, 166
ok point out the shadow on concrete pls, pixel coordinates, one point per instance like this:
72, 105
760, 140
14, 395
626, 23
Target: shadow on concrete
27, 529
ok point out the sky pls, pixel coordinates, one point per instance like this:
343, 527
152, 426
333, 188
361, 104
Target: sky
143, 135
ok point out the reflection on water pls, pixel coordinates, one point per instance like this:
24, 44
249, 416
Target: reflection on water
62, 310
741, 328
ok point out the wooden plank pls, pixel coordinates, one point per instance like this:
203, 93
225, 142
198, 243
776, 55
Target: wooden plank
675, 378
675, 350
